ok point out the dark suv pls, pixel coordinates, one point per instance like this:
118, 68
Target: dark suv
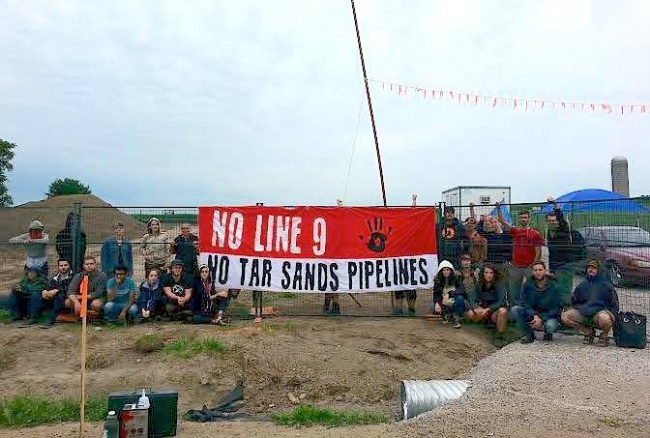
624, 250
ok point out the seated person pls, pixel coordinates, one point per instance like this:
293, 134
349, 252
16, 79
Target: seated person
448, 294
96, 288
177, 286
594, 303
467, 272
150, 299
55, 294
121, 295
205, 297
487, 300
539, 305
25, 294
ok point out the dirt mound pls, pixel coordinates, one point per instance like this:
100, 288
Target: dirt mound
98, 217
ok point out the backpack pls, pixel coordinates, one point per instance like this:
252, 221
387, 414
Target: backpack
629, 330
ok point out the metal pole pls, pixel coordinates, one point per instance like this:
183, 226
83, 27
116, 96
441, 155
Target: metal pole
372, 115
76, 239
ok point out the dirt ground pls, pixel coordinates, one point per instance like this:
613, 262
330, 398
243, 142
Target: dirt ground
339, 363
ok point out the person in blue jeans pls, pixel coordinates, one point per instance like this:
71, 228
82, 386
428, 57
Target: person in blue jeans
121, 295
539, 305
24, 294
55, 294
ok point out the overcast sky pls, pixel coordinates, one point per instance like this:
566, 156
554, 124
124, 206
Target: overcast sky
233, 102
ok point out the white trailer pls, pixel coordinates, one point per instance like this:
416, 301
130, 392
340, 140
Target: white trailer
483, 198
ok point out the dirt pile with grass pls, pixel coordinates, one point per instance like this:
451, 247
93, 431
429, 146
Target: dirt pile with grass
283, 363
98, 218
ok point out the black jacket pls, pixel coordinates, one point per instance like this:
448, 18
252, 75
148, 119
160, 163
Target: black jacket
593, 295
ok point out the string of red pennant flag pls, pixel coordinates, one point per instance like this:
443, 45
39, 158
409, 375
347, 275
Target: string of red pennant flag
510, 102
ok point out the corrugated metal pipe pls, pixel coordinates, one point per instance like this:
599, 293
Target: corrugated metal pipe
419, 396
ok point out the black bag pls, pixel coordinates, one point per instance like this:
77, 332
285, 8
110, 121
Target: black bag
629, 330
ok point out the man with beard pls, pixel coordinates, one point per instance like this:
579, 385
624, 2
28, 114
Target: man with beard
594, 304
56, 293
450, 235
539, 305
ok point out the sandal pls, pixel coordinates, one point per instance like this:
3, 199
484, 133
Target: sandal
589, 338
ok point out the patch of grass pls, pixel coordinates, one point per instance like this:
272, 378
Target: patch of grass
611, 422
5, 315
307, 415
275, 326
187, 349
287, 295
34, 410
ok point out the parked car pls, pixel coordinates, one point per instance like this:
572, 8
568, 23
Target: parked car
624, 250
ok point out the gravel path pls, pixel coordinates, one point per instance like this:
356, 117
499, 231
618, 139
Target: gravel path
562, 389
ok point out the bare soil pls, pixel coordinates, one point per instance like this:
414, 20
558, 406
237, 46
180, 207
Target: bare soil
342, 363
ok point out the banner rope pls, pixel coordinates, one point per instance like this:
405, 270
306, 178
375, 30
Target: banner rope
515, 103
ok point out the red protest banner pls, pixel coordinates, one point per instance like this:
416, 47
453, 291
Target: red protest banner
317, 249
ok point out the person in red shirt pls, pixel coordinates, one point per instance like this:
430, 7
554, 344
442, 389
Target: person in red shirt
527, 245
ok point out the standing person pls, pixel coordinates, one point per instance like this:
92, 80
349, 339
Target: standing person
450, 235
539, 306
150, 298
24, 297
411, 295
56, 293
116, 251
65, 243
499, 245
36, 242
527, 245
467, 274
561, 251
487, 301
186, 249
121, 298
331, 306
594, 303
178, 290
259, 310
473, 243
96, 288
155, 247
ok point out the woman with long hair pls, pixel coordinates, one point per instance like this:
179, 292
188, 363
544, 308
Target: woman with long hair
487, 301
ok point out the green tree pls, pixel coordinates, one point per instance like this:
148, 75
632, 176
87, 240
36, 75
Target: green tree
67, 186
6, 155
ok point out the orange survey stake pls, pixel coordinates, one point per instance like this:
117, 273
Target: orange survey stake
84, 296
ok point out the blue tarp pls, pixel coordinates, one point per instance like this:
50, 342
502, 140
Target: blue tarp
596, 200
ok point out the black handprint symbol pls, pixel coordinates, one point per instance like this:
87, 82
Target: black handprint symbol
378, 235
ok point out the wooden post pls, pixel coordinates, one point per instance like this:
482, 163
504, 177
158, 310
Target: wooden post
83, 313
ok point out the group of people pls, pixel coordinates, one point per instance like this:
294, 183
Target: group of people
492, 271
177, 288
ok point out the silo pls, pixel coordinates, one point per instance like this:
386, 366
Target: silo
620, 178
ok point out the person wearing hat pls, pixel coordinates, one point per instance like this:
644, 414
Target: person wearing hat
594, 305
178, 289
36, 242
116, 251
25, 294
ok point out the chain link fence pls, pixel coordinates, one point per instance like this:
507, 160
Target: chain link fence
610, 232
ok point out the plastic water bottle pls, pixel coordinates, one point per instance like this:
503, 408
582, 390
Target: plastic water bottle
143, 401
111, 426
